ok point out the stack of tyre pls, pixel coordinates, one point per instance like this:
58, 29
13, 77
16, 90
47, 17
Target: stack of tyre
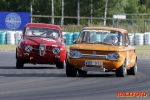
64, 36
2, 37
139, 39
18, 35
75, 35
147, 38
131, 38
10, 37
69, 38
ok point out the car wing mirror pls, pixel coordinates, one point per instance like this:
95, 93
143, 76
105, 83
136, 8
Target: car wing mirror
126, 44
75, 41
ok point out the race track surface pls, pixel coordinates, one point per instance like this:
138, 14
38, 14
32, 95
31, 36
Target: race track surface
45, 82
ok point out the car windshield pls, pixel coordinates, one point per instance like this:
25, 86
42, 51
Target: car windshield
43, 32
100, 36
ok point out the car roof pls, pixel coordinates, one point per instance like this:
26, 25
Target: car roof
105, 28
43, 25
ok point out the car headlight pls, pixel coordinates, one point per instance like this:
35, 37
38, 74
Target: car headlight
55, 50
75, 54
28, 48
113, 56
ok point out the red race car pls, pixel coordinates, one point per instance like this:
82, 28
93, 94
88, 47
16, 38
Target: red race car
41, 44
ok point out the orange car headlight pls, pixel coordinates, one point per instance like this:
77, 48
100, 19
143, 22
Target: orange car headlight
113, 56
75, 54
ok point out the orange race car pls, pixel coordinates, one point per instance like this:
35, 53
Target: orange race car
102, 49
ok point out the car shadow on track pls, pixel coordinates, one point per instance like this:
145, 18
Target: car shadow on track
52, 72
13, 67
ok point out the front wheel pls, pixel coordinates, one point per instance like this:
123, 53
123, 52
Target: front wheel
132, 70
19, 63
70, 70
61, 65
121, 71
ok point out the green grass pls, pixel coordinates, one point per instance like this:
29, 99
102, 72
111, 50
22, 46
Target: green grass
7, 47
141, 51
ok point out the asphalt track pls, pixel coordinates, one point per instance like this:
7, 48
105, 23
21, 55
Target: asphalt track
45, 82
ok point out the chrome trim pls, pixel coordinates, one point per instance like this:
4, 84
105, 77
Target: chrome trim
94, 56
84, 68
42, 48
45, 49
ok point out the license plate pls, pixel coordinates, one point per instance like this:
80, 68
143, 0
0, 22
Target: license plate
96, 63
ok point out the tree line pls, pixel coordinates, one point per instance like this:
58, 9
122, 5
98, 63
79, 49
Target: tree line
44, 7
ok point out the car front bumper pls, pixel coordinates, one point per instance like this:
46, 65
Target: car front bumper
107, 64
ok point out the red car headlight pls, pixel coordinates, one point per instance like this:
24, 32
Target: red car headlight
28, 48
55, 50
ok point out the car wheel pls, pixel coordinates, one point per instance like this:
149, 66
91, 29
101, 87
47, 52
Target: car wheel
61, 65
121, 71
19, 63
16, 54
70, 70
81, 72
132, 70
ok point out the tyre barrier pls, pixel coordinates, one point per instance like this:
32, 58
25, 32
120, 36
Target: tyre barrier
131, 38
2, 37
12, 37
18, 36
147, 38
69, 38
75, 35
139, 39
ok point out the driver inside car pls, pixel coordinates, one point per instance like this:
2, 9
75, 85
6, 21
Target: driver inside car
111, 39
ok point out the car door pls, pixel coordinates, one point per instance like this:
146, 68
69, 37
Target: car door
129, 51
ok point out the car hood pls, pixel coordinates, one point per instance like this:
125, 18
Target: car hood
42, 40
100, 47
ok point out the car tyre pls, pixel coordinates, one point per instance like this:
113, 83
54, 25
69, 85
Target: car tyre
121, 71
61, 65
19, 63
80, 72
132, 70
70, 70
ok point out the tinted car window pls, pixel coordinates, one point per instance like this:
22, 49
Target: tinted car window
37, 31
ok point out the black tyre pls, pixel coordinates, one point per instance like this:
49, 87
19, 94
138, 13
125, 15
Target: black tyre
61, 65
16, 53
132, 70
80, 72
70, 70
19, 63
121, 71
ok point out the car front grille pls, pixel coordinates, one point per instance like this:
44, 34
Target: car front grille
93, 56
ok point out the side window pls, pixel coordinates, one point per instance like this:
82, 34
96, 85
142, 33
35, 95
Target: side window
81, 36
84, 37
126, 39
